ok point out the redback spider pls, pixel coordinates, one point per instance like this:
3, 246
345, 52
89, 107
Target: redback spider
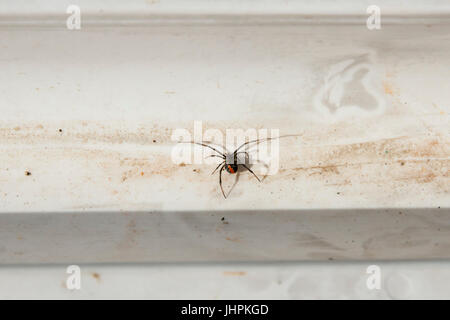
230, 160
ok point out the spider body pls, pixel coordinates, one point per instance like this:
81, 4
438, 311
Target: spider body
231, 167
230, 161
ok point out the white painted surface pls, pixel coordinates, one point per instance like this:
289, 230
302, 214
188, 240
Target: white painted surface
90, 113
224, 7
379, 140
400, 280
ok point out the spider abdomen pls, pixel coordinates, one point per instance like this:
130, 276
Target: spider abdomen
231, 167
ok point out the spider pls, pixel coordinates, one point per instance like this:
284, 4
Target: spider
230, 160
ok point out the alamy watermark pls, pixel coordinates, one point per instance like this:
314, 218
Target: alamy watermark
374, 20
73, 281
373, 281
255, 146
73, 22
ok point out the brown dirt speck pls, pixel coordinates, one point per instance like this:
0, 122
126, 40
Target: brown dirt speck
96, 276
388, 88
27, 173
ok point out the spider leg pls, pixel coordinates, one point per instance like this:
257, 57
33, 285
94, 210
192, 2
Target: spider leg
220, 181
252, 141
251, 172
214, 155
204, 145
266, 139
217, 167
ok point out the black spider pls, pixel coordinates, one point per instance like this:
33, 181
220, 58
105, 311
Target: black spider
230, 160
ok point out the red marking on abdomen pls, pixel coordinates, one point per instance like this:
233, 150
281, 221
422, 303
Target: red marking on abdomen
230, 169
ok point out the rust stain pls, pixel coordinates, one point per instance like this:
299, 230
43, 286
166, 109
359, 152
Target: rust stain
333, 169
138, 167
394, 161
388, 89
418, 160
346, 182
235, 239
96, 276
